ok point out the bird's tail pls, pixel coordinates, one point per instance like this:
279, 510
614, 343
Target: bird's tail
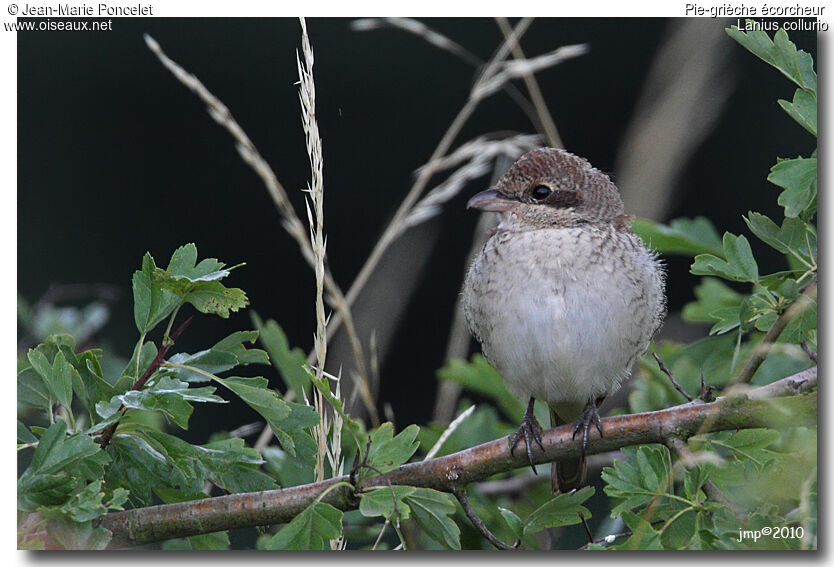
567, 474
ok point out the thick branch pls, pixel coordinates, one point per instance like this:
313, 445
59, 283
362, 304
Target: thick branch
450, 472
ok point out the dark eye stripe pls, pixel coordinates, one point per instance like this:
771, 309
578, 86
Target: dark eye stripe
541, 192
564, 199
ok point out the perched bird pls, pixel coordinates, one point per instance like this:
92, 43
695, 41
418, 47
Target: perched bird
563, 296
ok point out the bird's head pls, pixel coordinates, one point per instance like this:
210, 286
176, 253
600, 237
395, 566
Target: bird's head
552, 187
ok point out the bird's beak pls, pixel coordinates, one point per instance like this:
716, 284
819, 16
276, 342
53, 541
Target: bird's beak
490, 200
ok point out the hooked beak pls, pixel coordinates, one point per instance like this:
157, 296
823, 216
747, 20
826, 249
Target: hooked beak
490, 200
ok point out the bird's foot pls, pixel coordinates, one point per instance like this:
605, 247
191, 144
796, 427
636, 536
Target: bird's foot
588, 416
530, 431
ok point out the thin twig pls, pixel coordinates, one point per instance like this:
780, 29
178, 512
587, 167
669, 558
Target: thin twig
760, 351
107, 434
811, 354
477, 522
587, 529
671, 378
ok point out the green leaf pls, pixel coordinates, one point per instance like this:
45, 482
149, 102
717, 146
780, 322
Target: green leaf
198, 284
432, 510
57, 376
694, 480
203, 542
781, 53
798, 178
24, 435
290, 362
354, 427
225, 355
795, 236
738, 265
643, 535
151, 303
228, 463
803, 109
803, 326
716, 303
146, 356
60, 466
87, 505
184, 264
287, 470
380, 502
644, 474
32, 390
215, 298
682, 236
140, 467
388, 452
286, 420
170, 396
312, 529
564, 510
479, 376
513, 521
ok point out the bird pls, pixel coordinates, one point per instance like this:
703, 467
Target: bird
563, 296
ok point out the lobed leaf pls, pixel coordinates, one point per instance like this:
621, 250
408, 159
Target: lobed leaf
225, 355
738, 263
564, 510
312, 529
290, 362
388, 452
151, 302
380, 502
170, 396
798, 178
780, 52
803, 109
645, 474
432, 510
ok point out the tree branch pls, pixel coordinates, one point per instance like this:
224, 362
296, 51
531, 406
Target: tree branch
754, 408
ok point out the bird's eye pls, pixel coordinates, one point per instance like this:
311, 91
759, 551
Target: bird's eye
541, 192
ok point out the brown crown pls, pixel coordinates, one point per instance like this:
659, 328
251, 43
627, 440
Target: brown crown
563, 171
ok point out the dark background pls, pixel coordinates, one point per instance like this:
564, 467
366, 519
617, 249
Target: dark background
116, 157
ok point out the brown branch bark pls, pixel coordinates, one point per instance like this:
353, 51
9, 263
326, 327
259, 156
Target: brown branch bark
755, 408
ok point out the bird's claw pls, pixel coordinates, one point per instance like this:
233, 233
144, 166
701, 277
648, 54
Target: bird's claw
530, 431
589, 415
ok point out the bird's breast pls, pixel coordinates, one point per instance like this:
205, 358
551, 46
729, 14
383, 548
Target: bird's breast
561, 313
